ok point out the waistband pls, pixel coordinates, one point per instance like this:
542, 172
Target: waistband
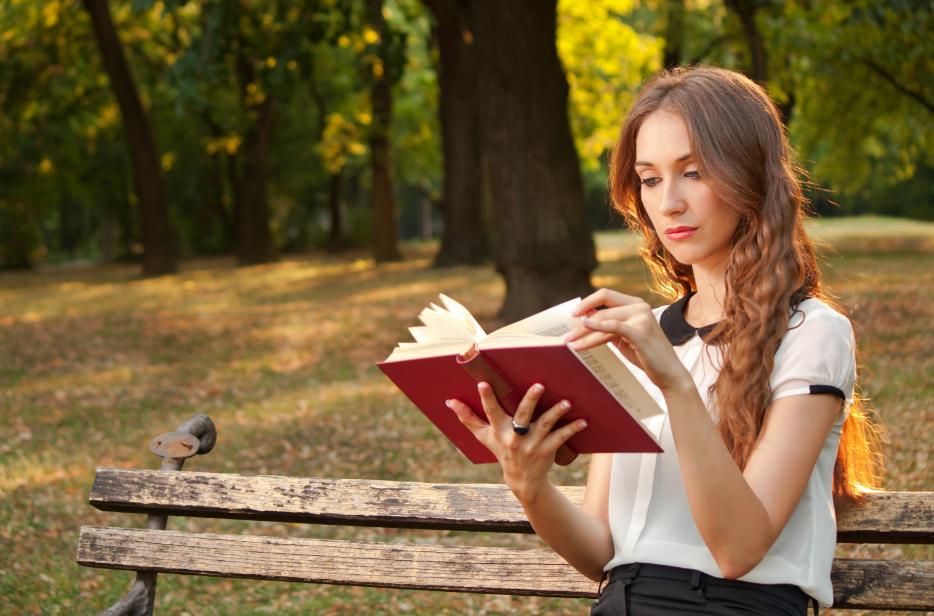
697, 579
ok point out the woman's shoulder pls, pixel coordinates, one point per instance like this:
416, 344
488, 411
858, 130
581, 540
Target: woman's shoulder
813, 315
817, 354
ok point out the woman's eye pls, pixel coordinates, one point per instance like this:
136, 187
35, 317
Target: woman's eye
649, 182
693, 174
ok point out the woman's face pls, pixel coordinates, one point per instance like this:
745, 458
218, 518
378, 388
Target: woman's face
689, 218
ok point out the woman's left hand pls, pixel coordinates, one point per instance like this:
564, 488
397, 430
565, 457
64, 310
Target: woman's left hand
525, 458
628, 322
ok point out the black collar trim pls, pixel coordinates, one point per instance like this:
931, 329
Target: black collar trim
676, 328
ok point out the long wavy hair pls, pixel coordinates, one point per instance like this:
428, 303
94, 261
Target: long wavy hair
739, 142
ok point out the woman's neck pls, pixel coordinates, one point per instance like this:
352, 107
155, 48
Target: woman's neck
706, 306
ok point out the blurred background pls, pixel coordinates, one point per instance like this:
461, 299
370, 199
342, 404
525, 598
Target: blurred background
257, 128
236, 207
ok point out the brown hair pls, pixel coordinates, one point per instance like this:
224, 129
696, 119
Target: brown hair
739, 142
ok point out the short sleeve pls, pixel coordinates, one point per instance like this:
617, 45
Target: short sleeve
817, 356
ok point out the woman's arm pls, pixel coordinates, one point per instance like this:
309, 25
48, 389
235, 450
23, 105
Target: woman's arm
580, 535
739, 514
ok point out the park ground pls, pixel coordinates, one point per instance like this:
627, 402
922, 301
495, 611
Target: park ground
94, 361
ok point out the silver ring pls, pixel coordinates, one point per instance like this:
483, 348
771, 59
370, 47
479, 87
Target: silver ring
520, 430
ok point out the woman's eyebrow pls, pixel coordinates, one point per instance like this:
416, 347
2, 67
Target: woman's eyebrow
644, 163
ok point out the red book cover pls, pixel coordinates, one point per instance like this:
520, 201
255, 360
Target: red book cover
429, 381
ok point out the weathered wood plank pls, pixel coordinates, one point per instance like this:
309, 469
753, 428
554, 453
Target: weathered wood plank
866, 584
431, 567
888, 517
883, 584
358, 502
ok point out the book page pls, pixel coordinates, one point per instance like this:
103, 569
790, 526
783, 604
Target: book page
444, 331
606, 363
440, 324
507, 340
455, 308
416, 350
550, 322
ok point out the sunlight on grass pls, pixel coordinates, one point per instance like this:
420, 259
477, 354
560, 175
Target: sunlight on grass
35, 470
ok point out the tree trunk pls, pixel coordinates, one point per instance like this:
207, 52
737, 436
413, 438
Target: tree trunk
787, 108
233, 180
68, 235
215, 196
543, 244
254, 239
108, 233
158, 249
385, 235
215, 188
759, 60
463, 239
336, 241
674, 33
251, 205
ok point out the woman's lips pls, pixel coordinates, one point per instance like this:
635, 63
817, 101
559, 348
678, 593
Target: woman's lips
680, 233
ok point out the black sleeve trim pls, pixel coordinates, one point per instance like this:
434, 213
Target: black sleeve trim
827, 389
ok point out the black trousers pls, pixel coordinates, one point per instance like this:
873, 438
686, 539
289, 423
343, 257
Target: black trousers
657, 590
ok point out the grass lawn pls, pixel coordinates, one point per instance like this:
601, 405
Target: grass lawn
96, 361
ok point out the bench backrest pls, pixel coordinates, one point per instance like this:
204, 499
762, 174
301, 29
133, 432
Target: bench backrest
895, 517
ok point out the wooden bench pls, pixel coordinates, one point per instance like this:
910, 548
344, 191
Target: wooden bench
893, 517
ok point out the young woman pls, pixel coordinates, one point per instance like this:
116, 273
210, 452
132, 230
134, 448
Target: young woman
754, 367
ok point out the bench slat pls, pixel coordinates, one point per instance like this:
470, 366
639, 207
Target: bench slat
866, 584
889, 517
425, 566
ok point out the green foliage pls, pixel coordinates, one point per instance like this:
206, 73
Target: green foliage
53, 110
605, 60
858, 71
856, 74
416, 143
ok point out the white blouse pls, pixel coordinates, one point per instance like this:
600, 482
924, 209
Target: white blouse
650, 517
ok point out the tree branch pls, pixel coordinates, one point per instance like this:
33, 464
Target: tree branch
710, 47
903, 89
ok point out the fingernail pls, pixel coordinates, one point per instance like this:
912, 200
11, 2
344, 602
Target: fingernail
583, 423
565, 404
538, 388
449, 404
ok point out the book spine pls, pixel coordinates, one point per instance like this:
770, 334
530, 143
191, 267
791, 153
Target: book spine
480, 368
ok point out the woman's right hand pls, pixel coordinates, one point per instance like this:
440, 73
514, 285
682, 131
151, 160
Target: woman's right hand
525, 459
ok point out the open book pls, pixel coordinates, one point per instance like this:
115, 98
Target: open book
452, 353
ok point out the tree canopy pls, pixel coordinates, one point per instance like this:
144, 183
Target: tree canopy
853, 78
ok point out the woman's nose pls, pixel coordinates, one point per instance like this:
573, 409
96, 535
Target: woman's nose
672, 199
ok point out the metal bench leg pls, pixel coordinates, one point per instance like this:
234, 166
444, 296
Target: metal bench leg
140, 599
195, 436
